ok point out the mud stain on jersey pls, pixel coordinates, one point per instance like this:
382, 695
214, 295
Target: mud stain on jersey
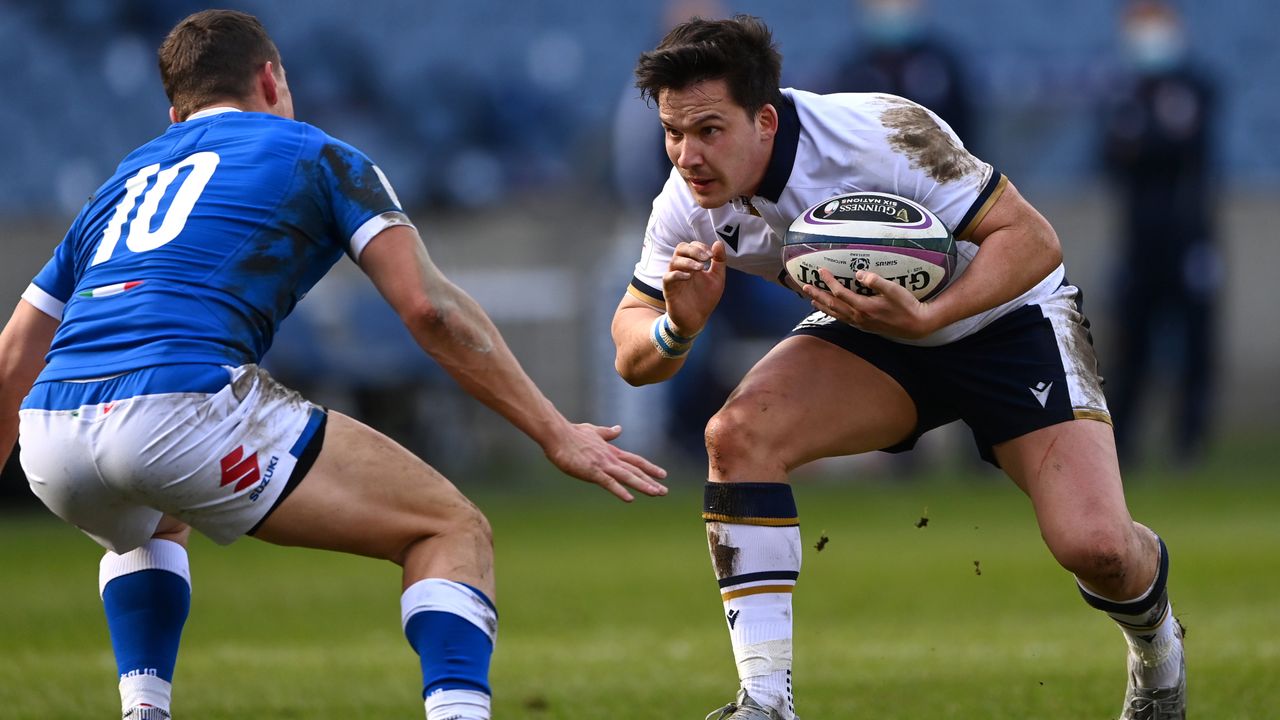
356, 181
276, 255
724, 557
914, 133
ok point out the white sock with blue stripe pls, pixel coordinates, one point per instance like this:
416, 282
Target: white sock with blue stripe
754, 536
452, 626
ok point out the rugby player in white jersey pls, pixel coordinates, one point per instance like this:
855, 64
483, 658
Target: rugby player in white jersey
150, 416
1004, 348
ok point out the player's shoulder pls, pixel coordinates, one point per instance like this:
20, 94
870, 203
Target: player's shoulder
316, 141
851, 111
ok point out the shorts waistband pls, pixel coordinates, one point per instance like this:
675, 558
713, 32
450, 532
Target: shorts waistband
157, 380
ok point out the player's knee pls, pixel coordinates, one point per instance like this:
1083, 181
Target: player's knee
1097, 555
477, 525
467, 521
463, 523
737, 443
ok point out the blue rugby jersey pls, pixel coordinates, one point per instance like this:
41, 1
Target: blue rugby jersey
203, 241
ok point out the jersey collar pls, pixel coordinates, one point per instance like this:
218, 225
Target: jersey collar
210, 112
778, 171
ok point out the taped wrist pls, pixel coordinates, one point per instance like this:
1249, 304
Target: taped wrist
667, 341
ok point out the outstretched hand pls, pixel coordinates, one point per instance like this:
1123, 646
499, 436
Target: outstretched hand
891, 310
586, 453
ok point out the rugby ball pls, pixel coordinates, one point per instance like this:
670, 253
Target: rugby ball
896, 238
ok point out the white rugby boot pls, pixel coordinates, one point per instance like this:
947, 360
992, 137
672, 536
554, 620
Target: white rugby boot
744, 708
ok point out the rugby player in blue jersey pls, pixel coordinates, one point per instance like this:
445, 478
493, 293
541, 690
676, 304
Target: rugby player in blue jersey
145, 413
1005, 347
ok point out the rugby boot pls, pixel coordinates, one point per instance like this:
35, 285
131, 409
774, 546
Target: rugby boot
145, 712
1166, 703
744, 708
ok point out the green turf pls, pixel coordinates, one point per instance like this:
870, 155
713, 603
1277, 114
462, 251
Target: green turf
609, 611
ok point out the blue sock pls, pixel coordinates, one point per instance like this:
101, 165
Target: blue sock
146, 594
452, 626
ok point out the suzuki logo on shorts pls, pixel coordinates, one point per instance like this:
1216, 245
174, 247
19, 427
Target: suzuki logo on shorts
238, 469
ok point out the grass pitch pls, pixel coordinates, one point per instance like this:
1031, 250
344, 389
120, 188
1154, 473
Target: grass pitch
609, 611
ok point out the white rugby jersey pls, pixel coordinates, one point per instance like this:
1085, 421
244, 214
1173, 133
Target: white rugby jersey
828, 145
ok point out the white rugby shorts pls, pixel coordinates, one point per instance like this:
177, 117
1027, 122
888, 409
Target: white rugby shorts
219, 460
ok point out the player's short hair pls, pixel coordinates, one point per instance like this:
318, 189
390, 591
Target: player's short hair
739, 51
211, 56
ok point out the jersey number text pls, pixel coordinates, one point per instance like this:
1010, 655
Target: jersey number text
140, 236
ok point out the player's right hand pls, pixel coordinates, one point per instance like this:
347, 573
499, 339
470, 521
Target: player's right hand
585, 452
693, 284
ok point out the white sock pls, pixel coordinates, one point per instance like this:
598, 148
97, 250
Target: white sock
457, 705
756, 587
137, 690
1156, 650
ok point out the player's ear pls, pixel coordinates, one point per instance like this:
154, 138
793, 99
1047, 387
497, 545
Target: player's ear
173, 114
267, 81
767, 122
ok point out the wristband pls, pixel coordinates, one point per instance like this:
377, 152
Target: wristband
668, 342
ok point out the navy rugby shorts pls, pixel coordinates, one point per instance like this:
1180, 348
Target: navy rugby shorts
1029, 369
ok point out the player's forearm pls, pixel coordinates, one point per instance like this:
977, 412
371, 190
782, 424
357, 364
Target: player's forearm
458, 334
638, 360
8, 420
1009, 262
11, 394
23, 344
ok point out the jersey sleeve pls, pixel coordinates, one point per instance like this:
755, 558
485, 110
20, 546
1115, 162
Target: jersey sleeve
363, 202
661, 236
51, 288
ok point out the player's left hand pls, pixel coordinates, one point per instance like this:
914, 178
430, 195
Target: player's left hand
585, 451
892, 310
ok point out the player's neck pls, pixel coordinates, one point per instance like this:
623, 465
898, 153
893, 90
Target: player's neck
250, 105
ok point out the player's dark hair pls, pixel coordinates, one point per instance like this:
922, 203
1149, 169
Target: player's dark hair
212, 56
739, 51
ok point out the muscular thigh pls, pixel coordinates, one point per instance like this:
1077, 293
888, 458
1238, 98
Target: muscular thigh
366, 495
808, 399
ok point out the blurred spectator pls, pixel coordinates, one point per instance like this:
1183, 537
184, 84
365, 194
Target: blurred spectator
898, 53
1157, 148
640, 165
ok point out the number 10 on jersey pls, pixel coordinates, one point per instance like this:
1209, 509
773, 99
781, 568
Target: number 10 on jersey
140, 237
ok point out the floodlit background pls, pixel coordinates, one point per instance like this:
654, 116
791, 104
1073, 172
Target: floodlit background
515, 139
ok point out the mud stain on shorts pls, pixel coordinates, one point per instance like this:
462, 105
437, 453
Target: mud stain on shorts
270, 388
